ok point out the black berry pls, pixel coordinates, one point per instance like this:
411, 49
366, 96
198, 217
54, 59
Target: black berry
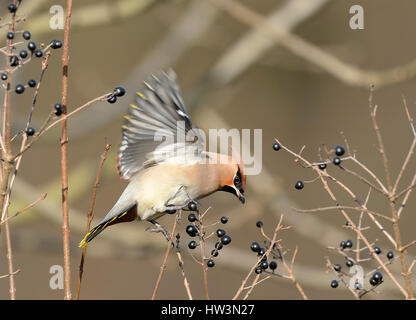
170, 211
224, 220
58, 109
10, 35
31, 46
349, 263
26, 35
390, 255
4, 76
12, 8
336, 161
31, 83
226, 240
214, 253
255, 247
30, 131
192, 217
339, 150
14, 61
23, 54
259, 224
258, 270
119, 91
38, 53
348, 244
261, 252
322, 166
264, 265
273, 265
20, 88
377, 276
220, 233
191, 205
56, 44
112, 99
337, 267
299, 185
334, 284
218, 245
210, 263
343, 244
373, 281
191, 230
276, 146
377, 250
192, 244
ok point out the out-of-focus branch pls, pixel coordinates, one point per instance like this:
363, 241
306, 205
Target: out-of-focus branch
343, 71
93, 15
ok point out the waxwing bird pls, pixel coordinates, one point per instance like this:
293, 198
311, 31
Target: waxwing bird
165, 171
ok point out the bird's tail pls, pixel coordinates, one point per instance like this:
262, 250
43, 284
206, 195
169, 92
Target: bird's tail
100, 227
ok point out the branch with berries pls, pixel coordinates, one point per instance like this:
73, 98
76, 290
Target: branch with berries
339, 157
20, 51
274, 251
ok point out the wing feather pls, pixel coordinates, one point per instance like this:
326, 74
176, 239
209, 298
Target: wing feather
154, 120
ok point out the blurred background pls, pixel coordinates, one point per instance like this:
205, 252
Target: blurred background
232, 76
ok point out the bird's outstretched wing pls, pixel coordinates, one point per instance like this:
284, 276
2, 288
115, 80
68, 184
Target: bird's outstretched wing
153, 127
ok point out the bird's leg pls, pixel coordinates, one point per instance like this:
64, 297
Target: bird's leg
158, 228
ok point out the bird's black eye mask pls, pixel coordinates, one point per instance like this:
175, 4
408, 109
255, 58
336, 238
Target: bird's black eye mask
238, 181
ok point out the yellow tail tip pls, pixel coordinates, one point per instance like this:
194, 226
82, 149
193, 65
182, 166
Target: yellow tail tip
83, 243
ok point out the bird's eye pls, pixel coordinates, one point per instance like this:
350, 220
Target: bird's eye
237, 181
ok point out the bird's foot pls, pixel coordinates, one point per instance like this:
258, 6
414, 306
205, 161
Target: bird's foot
159, 228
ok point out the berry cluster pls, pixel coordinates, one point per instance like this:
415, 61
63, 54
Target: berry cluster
194, 229
19, 59
19, 56
322, 165
376, 278
264, 264
117, 92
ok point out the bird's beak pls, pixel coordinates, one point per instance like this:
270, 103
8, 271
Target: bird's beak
235, 191
241, 197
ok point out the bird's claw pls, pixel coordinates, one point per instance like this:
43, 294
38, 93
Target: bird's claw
160, 228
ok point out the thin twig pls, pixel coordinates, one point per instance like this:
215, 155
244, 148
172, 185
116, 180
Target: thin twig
25, 208
46, 127
165, 259
90, 216
243, 283
358, 209
202, 245
289, 270
8, 275
411, 149
181, 267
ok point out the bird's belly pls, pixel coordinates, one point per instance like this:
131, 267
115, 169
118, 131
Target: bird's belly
151, 205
